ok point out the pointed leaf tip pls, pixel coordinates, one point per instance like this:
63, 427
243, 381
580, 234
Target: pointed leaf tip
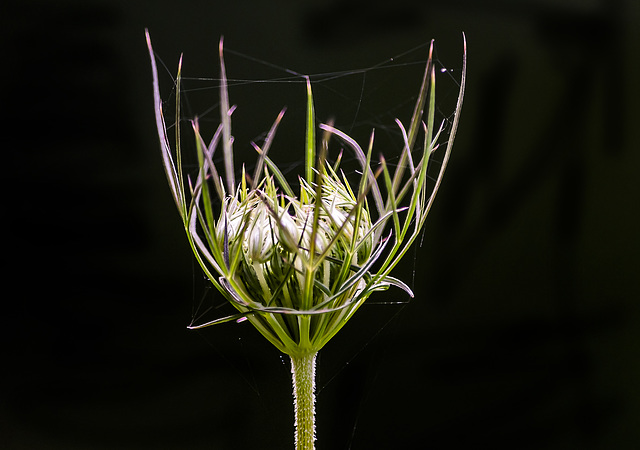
306, 77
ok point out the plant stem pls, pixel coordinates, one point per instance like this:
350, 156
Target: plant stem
303, 372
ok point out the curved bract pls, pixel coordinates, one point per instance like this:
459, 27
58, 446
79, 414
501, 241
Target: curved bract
299, 265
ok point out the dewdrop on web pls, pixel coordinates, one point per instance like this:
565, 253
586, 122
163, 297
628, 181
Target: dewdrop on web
298, 265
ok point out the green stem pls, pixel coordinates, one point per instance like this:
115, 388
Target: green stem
303, 371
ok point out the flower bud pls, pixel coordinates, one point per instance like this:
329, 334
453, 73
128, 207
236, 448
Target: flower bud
258, 243
289, 233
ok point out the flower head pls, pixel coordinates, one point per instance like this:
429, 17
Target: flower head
298, 266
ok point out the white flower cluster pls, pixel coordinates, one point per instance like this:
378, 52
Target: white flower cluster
274, 236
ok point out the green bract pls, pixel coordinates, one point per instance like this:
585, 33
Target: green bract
299, 265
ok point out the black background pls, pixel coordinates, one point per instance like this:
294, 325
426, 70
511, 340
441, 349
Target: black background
524, 333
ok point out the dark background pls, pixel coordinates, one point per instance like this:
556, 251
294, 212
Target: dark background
524, 333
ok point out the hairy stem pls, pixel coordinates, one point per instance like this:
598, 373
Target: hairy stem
303, 371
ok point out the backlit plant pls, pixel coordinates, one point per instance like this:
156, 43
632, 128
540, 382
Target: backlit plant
298, 265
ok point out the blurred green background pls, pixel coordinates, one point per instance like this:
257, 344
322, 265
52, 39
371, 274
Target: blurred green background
524, 333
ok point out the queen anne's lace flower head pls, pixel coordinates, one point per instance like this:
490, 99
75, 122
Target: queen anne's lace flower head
298, 266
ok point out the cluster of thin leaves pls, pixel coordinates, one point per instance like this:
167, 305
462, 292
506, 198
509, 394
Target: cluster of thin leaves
299, 266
